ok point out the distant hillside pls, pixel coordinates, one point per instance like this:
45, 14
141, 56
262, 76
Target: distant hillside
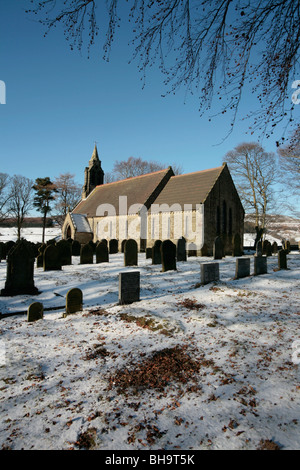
29, 222
278, 227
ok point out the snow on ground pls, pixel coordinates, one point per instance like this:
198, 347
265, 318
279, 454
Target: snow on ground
33, 234
55, 374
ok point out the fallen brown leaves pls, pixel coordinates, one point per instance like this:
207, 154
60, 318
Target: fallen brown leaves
157, 371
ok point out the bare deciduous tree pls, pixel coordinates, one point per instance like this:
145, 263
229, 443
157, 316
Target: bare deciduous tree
135, 167
4, 195
20, 199
289, 159
212, 48
254, 173
67, 195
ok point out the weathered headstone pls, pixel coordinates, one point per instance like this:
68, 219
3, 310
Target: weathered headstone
204, 250
282, 261
73, 301
168, 256
113, 246
237, 245
129, 287
102, 255
86, 254
218, 248
20, 270
148, 253
76, 248
242, 268
65, 252
181, 249
274, 248
131, 253
209, 272
35, 312
260, 265
156, 255
123, 245
52, 260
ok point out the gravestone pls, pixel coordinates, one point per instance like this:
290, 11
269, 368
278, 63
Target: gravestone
181, 249
156, 254
35, 312
129, 287
86, 254
204, 250
282, 261
123, 245
76, 248
52, 260
192, 249
113, 246
168, 256
274, 248
209, 272
260, 265
65, 252
130, 253
148, 253
102, 255
218, 248
73, 301
242, 268
20, 269
237, 251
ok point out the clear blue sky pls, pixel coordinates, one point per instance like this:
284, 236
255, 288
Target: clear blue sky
59, 102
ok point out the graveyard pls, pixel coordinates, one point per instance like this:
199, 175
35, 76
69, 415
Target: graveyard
205, 355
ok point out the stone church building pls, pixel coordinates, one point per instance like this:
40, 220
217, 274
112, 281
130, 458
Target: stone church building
198, 206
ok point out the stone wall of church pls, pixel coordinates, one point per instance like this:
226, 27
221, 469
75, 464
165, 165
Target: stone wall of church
224, 214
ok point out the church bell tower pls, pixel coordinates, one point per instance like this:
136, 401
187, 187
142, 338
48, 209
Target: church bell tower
93, 174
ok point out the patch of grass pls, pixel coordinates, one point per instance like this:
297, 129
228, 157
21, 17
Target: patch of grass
87, 439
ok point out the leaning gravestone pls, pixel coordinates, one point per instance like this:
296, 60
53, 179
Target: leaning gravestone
181, 249
102, 255
20, 269
168, 256
129, 287
86, 254
260, 265
242, 268
156, 254
218, 248
282, 262
131, 253
52, 260
73, 301
35, 312
209, 272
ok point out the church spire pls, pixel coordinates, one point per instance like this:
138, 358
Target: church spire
93, 174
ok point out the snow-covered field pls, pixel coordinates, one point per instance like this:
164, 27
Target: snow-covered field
60, 378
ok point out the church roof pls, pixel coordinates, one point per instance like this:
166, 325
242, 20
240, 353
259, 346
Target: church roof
80, 223
138, 190
191, 188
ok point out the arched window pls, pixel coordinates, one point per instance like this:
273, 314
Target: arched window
230, 222
224, 217
218, 221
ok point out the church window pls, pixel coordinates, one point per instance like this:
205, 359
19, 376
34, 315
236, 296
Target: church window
224, 217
